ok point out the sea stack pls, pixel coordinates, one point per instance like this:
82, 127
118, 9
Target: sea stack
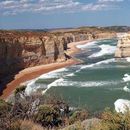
123, 46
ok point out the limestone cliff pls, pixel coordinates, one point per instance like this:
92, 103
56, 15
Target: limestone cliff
21, 51
123, 46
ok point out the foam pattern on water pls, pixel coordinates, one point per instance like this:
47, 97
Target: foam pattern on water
53, 74
99, 63
32, 87
55, 83
88, 45
62, 82
126, 78
105, 50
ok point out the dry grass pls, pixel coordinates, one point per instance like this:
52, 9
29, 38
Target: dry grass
26, 125
111, 120
29, 125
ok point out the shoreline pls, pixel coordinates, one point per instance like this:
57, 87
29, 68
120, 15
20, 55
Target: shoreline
33, 72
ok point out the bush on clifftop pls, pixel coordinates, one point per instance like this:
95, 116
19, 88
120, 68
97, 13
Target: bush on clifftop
78, 115
20, 89
48, 116
111, 120
4, 107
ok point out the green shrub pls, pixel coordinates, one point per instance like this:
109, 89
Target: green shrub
78, 116
111, 120
48, 115
5, 116
4, 107
20, 89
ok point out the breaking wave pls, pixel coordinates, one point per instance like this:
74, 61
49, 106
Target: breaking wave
87, 45
55, 83
71, 74
99, 63
105, 50
31, 87
126, 89
62, 82
126, 78
128, 59
53, 74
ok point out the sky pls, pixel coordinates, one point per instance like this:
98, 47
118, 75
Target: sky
41, 14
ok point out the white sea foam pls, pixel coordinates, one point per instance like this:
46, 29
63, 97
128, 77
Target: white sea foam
126, 89
126, 78
53, 74
31, 87
62, 82
122, 105
98, 83
55, 83
105, 50
71, 74
106, 61
99, 63
128, 59
87, 45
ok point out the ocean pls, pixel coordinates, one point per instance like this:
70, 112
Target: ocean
94, 84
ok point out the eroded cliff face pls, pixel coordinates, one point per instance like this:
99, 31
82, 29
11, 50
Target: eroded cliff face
22, 50
123, 46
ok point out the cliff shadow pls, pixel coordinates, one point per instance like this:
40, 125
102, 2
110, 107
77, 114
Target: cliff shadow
6, 79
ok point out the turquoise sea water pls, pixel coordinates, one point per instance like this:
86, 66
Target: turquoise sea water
95, 84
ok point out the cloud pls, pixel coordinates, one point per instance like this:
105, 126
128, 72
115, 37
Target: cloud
94, 7
14, 7
110, 1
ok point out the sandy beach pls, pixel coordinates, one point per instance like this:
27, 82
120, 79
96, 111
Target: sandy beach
33, 72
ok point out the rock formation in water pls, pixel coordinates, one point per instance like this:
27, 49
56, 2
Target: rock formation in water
123, 46
19, 50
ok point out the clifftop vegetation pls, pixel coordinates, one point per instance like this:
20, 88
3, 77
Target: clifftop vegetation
38, 112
